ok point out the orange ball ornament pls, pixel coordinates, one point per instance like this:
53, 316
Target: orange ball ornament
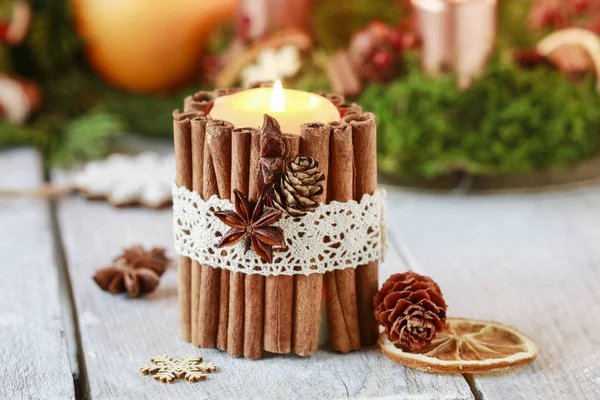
148, 46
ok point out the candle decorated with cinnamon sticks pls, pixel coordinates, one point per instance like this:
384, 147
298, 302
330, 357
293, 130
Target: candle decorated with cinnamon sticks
309, 288
217, 182
364, 137
182, 134
199, 102
240, 180
252, 286
342, 313
279, 290
198, 141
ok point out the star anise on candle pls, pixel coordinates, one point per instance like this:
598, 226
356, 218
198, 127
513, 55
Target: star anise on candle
252, 222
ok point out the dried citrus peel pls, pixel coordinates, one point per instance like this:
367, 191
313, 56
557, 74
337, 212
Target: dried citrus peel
579, 36
467, 346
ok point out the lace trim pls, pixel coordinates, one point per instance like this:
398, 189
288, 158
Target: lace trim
335, 236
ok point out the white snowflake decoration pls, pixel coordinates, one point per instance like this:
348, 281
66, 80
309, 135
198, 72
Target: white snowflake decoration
273, 64
126, 180
166, 370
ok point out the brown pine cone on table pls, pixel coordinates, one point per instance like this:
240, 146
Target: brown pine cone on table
299, 185
412, 310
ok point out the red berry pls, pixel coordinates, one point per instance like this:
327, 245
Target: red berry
560, 21
382, 59
410, 41
244, 27
542, 15
580, 6
211, 62
396, 38
3, 31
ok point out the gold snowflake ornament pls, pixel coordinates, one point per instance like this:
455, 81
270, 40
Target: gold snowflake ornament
166, 370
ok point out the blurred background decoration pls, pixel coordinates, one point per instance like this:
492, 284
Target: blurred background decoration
466, 86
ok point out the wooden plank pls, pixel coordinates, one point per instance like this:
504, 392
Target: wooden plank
529, 260
34, 361
119, 334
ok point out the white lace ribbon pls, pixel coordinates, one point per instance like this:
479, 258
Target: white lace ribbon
335, 236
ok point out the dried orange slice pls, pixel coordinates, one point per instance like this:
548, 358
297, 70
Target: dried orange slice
467, 346
573, 36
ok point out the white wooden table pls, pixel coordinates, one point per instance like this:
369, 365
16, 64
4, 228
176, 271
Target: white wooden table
529, 260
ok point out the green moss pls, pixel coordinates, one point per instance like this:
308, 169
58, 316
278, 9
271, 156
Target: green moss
510, 121
334, 22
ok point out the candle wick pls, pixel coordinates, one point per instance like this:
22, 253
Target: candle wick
277, 98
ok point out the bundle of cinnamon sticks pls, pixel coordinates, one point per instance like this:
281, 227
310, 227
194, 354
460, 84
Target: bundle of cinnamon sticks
245, 314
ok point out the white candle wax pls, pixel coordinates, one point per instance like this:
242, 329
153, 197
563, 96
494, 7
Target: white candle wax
291, 108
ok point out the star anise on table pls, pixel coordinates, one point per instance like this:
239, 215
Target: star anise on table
138, 257
252, 222
134, 272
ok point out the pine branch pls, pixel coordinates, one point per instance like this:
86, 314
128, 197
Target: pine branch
37, 135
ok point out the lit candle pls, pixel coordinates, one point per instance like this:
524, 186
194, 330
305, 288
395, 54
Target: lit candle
433, 27
459, 34
291, 108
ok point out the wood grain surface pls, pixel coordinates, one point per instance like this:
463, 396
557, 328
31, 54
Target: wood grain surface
34, 360
119, 334
528, 260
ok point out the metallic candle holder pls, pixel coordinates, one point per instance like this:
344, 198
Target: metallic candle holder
458, 35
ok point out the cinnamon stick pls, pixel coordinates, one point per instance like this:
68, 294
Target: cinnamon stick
340, 286
335, 98
347, 109
254, 284
240, 179
199, 102
364, 136
226, 91
183, 177
279, 290
198, 140
342, 76
217, 181
309, 288
260, 84
222, 328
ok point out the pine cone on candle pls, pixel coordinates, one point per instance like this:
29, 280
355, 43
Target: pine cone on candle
412, 310
299, 185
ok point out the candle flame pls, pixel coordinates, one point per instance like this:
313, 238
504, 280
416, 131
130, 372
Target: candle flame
277, 98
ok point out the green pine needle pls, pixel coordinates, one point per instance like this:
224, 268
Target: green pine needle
87, 137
